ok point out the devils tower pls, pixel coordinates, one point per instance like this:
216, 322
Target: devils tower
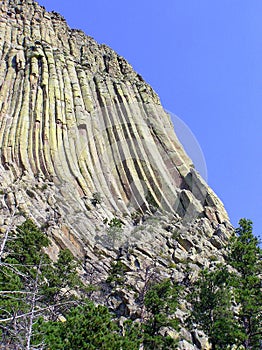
85, 142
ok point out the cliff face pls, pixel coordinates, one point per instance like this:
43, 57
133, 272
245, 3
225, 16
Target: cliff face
84, 140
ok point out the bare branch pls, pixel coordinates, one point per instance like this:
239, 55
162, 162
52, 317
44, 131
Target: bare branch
31, 318
38, 311
14, 292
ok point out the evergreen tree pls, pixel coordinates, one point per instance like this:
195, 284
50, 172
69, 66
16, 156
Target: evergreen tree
161, 302
245, 256
87, 327
116, 277
227, 306
31, 284
212, 308
20, 278
62, 278
42, 302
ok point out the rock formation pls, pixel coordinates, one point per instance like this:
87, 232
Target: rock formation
85, 145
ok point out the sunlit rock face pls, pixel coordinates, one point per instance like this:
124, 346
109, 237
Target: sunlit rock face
84, 139
87, 151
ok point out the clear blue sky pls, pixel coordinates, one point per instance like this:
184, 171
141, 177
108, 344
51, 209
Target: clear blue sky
204, 59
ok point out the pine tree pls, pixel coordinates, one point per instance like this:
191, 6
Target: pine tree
43, 302
212, 309
245, 256
88, 327
20, 278
161, 301
227, 306
31, 284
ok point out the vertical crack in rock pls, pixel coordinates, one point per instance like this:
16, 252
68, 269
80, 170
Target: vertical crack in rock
84, 139
88, 152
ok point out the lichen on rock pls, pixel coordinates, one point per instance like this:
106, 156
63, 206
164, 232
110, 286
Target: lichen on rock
77, 120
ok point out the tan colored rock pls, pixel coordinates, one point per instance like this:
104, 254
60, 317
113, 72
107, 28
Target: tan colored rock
138, 157
75, 120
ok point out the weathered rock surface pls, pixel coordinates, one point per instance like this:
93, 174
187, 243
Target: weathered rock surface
84, 139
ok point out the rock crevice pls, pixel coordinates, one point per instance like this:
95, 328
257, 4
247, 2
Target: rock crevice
84, 140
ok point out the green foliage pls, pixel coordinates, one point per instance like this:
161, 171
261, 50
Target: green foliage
133, 335
117, 273
96, 199
151, 200
114, 231
62, 277
212, 308
227, 306
27, 243
87, 327
44, 187
11, 283
117, 223
29, 280
245, 256
161, 301
37, 295
43, 302
22, 257
18, 272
